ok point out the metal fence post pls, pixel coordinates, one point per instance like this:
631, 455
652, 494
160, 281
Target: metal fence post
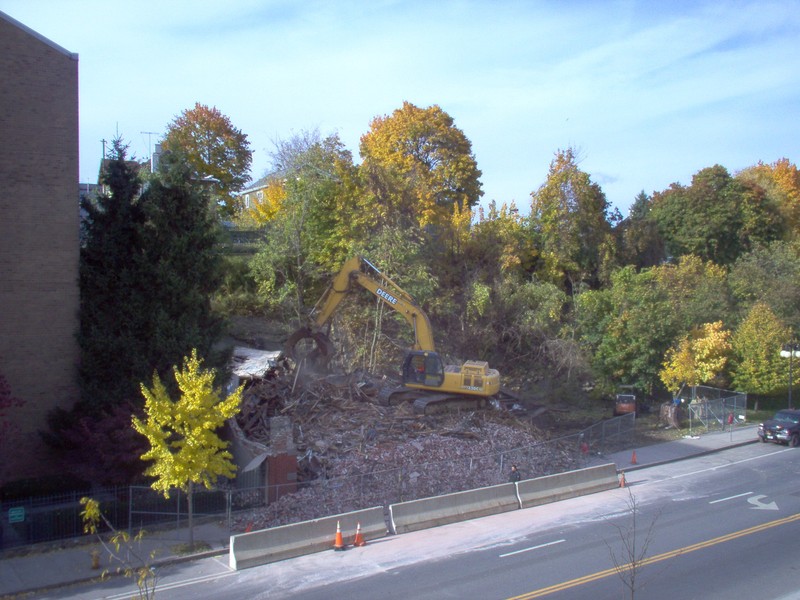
130, 509
228, 511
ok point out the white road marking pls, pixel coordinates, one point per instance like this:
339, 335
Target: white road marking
532, 548
160, 587
717, 468
730, 498
759, 505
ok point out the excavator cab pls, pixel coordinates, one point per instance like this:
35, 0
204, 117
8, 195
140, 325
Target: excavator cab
423, 368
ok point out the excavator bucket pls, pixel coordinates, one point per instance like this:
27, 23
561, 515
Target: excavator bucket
312, 348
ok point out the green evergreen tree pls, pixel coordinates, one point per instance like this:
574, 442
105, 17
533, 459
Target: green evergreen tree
148, 269
639, 241
110, 283
181, 266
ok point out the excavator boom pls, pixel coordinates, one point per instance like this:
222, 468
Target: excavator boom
359, 271
427, 380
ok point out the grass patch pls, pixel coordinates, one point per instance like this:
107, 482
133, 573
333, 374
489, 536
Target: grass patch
185, 549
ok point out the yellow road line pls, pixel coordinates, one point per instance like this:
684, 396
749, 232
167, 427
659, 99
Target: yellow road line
654, 559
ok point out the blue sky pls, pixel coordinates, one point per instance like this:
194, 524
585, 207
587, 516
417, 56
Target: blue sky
648, 92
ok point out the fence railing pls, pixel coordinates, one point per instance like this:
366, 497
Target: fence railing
51, 518
714, 408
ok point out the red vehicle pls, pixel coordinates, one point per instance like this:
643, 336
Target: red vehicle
625, 403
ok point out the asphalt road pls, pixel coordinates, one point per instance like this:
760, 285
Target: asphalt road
721, 526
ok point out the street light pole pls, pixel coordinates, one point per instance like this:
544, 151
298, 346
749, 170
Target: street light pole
791, 351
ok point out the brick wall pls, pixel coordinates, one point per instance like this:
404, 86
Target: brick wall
38, 237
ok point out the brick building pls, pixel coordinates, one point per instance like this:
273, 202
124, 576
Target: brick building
39, 247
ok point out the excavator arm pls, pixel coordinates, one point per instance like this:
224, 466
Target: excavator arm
359, 271
425, 376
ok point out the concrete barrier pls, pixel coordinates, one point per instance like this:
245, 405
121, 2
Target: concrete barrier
450, 508
552, 488
278, 543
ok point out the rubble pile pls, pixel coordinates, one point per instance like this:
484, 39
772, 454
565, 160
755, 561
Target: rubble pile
354, 452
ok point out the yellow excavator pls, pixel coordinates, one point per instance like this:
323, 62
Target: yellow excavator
427, 381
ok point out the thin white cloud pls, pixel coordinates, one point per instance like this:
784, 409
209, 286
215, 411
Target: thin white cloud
650, 91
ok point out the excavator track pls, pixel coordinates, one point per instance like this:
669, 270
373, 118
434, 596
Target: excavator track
430, 403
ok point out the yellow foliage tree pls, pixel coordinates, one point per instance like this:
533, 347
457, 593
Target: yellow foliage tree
264, 210
697, 357
122, 548
498, 238
759, 367
419, 165
185, 448
460, 224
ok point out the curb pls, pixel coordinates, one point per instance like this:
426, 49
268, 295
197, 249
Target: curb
695, 455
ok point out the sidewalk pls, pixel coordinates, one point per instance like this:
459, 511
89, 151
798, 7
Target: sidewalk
686, 447
42, 570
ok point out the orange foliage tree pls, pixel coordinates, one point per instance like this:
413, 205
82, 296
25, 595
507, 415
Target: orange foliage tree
216, 150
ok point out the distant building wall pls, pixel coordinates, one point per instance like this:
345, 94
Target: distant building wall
39, 230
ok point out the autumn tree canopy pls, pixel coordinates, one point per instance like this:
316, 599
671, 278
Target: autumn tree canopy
419, 166
781, 182
759, 367
698, 357
217, 151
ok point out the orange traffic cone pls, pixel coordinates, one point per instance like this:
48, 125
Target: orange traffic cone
359, 539
633, 458
622, 482
338, 543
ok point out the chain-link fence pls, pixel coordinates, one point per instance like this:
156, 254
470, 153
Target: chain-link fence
714, 409
55, 517
52, 518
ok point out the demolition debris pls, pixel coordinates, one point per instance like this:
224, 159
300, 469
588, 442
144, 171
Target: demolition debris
354, 451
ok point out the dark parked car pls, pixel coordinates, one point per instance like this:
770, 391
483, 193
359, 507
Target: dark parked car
783, 428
